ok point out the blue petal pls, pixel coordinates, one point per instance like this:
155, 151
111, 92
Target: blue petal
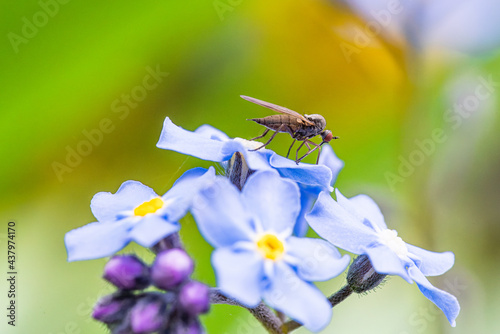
239, 274
431, 263
186, 142
299, 300
151, 229
350, 207
317, 260
220, 214
256, 160
368, 209
307, 174
333, 223
211, 132
445, 301
330, 160
109, 207
307, 199
385, 261
274, 200
184, 190
96, 240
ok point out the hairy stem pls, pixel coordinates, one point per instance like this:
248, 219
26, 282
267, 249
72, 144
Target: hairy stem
281, 316
334, 299
261, 312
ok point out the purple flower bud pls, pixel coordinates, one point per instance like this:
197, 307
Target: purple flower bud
104, 311
149, 314
194, 328
195, 298
190, 325
361, 276
171, 268
127, 272
113, 308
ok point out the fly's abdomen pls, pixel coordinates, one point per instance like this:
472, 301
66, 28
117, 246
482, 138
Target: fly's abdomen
275, 122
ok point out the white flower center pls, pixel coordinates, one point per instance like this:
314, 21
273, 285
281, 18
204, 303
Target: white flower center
396, 244
250, 144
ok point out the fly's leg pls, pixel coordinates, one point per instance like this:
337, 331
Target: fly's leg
262, 135
294, 140
317, 146
297, 152
272, 137
319, 152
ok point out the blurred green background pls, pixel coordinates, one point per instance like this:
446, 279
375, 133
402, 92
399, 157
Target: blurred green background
84, 68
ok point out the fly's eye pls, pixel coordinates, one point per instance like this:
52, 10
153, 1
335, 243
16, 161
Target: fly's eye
327, 136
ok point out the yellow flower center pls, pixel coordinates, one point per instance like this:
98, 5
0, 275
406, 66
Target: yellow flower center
148, 207
271, 247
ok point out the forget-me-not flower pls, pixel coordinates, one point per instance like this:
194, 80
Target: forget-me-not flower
134, 213
358, 226
208, 143
256, 256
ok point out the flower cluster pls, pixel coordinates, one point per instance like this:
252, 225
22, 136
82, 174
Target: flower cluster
255, 216
131, 310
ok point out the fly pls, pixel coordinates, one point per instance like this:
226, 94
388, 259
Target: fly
300, 127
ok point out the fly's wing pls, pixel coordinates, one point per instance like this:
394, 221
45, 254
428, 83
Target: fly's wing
277, 108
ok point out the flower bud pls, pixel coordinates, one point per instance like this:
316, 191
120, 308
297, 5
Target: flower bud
194, 328
169, 242
149, 314
171, 268
361, 276
190, 325
113, 308
237, 170
194, 298
127, 272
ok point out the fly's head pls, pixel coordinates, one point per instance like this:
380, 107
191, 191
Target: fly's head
327, 136
318, 120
